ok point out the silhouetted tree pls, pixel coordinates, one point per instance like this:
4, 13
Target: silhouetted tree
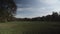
55, 16
7, 9
48, 18
36, 19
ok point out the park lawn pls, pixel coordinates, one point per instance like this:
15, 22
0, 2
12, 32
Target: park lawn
29, 27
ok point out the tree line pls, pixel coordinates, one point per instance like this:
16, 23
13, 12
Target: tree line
54, 17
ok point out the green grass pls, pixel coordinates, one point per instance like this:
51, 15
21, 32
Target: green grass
29, 27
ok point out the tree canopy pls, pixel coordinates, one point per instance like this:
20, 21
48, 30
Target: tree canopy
7, 9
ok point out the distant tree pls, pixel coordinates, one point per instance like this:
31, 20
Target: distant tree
36, 19
55, 16
48, 18
7, 9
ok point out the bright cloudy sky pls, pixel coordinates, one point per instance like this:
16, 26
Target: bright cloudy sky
35, 8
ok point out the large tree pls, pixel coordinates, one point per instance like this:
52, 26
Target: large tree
7, 9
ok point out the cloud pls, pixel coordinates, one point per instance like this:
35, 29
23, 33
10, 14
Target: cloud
33, 12
50, 2
35, 8
25, 9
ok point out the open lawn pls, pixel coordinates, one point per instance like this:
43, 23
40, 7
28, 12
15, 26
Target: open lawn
30, 27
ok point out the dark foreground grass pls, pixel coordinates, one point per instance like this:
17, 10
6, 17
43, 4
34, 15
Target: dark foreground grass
30, 27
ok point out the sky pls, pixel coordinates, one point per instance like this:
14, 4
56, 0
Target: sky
36, 8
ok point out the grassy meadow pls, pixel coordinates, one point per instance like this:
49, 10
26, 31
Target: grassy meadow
30, 27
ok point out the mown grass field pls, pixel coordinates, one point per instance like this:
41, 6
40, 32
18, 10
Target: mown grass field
30, 27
